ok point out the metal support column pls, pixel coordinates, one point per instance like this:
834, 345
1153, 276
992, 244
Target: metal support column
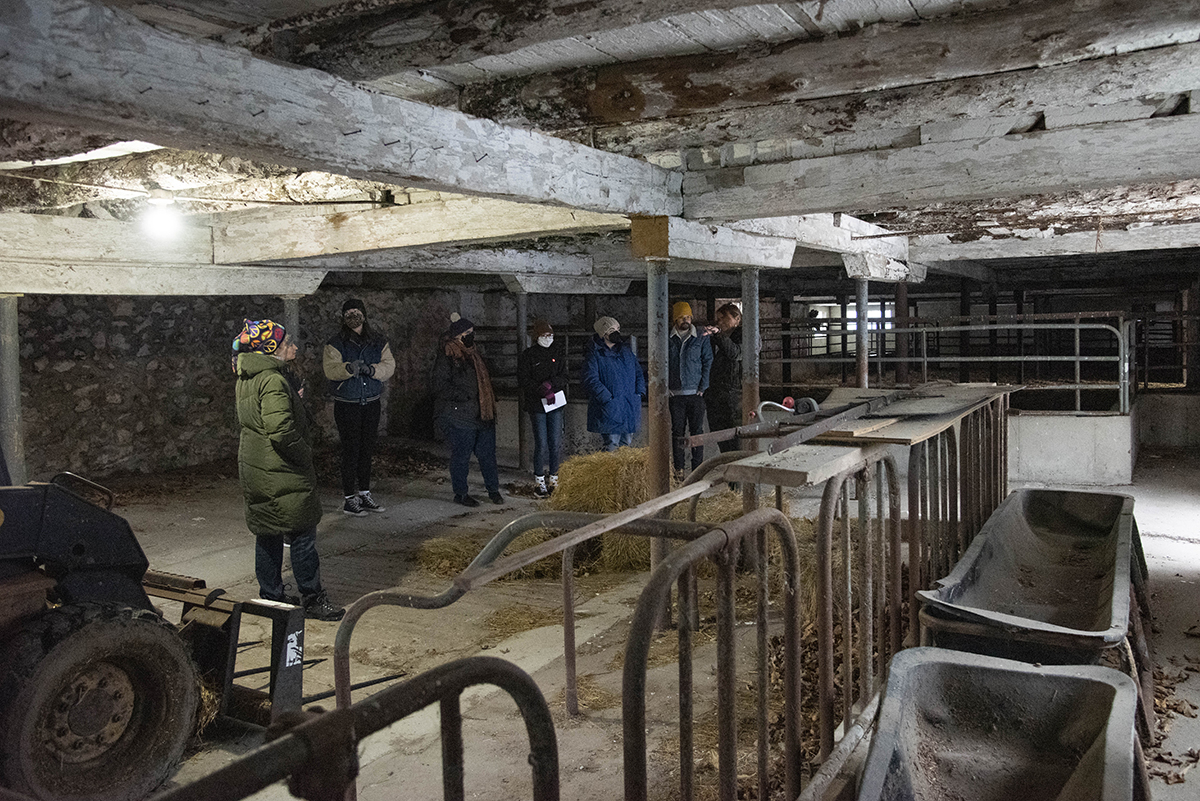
291, 317
658, 462
785, 334
964, 337
751, 346
12, 442
845, 313
902, 339
861, 324
993, 335
524, 455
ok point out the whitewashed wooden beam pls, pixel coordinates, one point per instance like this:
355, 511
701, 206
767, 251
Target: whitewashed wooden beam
878, 267
462, 220
665, 238
779, 130
1021, 36
56, 276
78, 63
565, 285
938, 248
962, 268
70, 239
451, 260
832, 232
1113, 154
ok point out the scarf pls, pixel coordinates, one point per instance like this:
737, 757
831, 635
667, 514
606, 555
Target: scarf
487, 399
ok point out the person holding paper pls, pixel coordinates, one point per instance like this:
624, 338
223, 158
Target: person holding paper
542, 381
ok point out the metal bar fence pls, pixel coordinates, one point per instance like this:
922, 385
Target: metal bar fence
320, 754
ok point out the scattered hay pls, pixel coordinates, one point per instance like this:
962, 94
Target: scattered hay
517, 618
210, 705
591, 695
664, 648
450, 556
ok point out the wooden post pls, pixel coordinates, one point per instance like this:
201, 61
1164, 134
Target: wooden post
902, 339
12, 440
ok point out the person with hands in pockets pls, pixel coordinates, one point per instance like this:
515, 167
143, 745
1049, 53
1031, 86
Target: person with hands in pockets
541, 375
357, 361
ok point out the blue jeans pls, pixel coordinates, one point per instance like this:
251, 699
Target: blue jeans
547, 441
611, 442
306, 565
465, 440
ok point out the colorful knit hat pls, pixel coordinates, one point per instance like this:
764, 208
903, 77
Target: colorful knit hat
258, 336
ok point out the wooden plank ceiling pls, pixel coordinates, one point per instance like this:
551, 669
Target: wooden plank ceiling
1012, 142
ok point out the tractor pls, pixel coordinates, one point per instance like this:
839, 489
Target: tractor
99, 693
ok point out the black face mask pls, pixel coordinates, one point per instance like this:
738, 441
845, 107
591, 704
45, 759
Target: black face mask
616, 338
469, 340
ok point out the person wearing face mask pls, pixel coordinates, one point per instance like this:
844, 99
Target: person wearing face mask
615, 386
275, 468
357, 361
541, 373
689, 361
464, 409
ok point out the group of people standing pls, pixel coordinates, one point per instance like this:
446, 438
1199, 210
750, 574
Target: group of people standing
275, 452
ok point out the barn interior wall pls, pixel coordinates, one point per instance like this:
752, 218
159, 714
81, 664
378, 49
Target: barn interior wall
116, 384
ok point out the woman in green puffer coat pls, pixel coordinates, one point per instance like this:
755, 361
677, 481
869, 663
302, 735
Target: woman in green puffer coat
275, 467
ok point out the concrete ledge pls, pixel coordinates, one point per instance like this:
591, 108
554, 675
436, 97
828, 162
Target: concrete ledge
1058, 448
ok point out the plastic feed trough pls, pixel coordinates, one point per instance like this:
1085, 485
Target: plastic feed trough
1045, 580
955, 726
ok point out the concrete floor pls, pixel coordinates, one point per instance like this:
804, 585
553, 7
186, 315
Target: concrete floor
197, 529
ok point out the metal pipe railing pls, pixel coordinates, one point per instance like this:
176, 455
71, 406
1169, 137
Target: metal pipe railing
720, 543
320, 754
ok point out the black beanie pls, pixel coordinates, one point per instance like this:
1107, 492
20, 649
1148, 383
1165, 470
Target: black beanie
354, 303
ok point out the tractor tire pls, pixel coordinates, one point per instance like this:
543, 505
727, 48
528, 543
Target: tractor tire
97, 703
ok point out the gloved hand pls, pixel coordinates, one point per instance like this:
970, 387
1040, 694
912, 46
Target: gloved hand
366, 369
547, 391
355, 367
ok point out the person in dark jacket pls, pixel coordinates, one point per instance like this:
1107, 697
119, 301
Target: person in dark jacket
615, 385
724, 397
541, 373
689, 360
275, 468
357, 361
464, 408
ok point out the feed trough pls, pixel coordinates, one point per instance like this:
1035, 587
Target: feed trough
956, 726
1045, 580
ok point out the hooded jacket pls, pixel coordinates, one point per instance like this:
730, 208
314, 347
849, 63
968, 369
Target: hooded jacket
615, 385
275, 456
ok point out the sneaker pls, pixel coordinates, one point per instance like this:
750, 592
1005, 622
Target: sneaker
552, 483
465, 500
368, 503
294, 600
540, 489
353, 506
496, 497
319, 608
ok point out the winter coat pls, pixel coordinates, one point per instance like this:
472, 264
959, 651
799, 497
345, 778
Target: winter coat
615, 386
689, 360
456, 392
275, 456
536, 366
344, 348
726, 374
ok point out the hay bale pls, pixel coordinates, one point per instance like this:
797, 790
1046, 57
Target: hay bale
601, 483
449, 556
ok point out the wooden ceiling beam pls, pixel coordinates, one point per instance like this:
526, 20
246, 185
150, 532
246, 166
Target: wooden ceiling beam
1024, 36
939, 248
79, 64
1144, 151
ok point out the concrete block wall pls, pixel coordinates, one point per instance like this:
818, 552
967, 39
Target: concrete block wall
1169, 420
1056, 448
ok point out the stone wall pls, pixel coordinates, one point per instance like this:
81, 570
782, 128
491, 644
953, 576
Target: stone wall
140, 384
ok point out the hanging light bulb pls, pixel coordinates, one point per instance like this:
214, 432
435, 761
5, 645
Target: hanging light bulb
160, 197
163, 219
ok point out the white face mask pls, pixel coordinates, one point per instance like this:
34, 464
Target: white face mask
546, 341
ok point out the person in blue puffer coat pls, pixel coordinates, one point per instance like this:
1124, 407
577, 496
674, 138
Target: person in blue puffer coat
357, 361
615, 386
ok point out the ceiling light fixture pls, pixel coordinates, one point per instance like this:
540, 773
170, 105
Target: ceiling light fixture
159, 197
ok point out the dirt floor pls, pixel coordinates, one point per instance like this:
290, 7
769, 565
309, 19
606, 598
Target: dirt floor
192, 523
